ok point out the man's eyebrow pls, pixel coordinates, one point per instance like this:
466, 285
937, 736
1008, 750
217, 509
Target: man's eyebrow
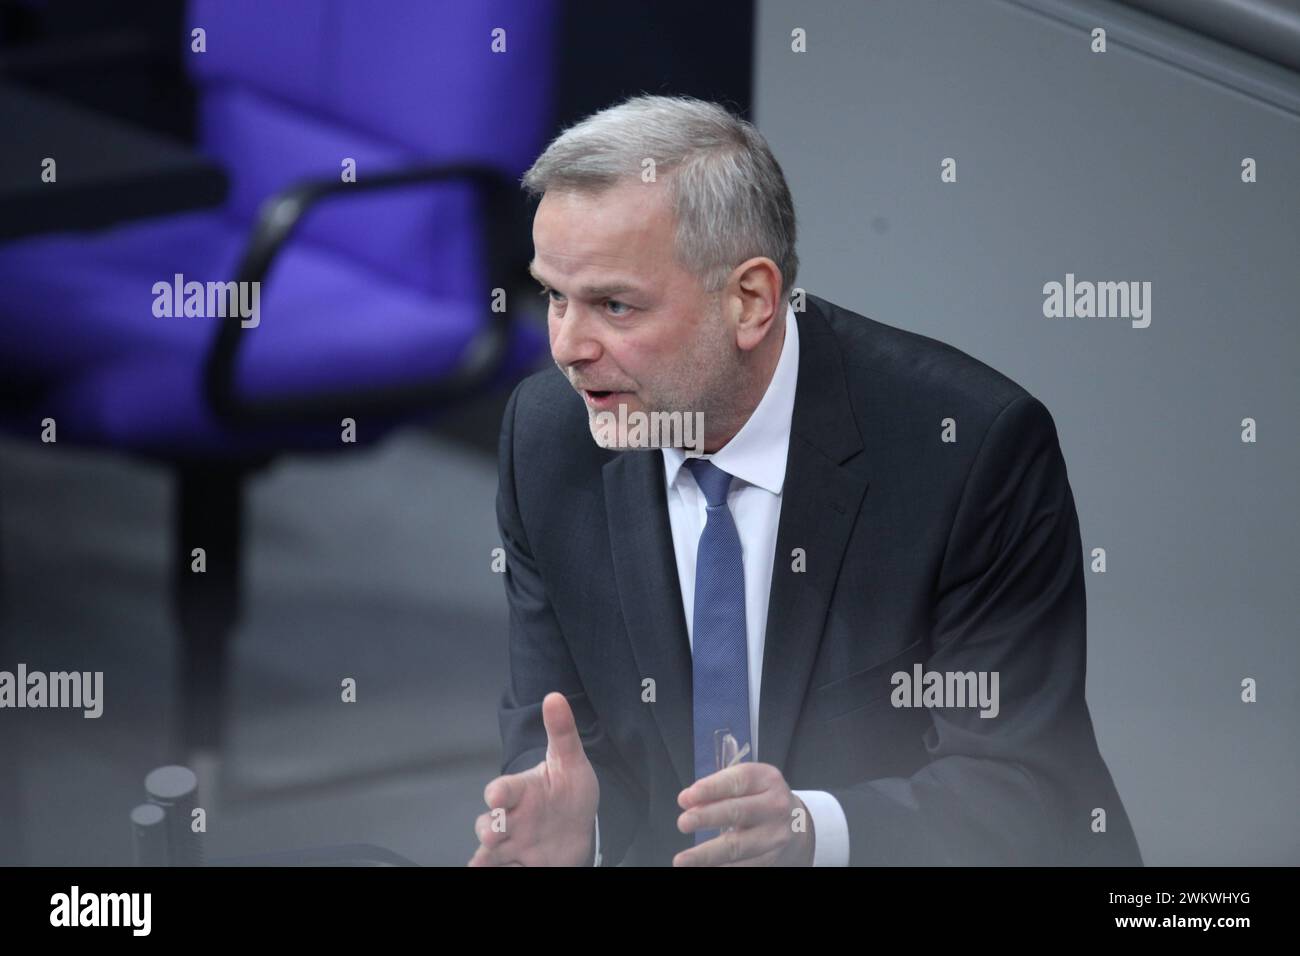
591, 291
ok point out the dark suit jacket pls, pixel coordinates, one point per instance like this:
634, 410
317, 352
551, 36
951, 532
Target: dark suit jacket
962, 556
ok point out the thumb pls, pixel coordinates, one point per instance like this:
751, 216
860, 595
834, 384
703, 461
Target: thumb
563, 744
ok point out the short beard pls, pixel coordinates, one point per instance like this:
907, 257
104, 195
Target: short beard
718, 379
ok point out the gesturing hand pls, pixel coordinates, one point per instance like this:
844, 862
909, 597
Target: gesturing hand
549, 810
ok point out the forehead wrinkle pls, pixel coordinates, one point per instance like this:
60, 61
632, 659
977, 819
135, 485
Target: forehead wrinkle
590, 291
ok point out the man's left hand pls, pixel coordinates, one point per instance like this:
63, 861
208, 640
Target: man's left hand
754, 799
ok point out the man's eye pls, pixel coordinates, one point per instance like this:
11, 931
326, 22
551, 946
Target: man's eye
616, 302
547, 292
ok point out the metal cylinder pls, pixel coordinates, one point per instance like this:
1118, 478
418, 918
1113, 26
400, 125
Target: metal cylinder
175, 789
149, 832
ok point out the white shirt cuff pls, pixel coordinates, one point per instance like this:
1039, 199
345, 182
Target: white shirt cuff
830, 828
596, 861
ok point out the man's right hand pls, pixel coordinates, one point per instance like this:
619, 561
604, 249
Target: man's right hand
550, 809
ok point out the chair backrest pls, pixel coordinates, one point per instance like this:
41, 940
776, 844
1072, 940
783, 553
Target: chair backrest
290, 89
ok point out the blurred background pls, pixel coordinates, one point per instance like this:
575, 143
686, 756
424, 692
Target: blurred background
212, 138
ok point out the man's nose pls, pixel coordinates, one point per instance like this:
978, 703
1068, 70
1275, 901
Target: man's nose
573, 339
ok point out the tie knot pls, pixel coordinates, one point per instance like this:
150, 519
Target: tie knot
713, 481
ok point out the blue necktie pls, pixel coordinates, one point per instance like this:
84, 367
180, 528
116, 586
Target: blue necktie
720, 659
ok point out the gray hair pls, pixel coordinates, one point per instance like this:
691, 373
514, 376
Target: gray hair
727, 190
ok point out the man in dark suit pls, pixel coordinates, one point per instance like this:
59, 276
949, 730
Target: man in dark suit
869, 570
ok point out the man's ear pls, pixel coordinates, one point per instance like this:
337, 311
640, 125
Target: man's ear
757, 302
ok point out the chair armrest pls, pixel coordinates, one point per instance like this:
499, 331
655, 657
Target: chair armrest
281, 214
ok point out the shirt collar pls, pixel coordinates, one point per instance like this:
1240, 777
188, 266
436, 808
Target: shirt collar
757, 453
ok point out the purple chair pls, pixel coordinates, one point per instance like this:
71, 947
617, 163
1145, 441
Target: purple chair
375, 295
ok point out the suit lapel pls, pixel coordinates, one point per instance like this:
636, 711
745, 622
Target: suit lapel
650, 595
819, 504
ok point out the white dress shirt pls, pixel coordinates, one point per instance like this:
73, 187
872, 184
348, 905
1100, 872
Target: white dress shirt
756, 459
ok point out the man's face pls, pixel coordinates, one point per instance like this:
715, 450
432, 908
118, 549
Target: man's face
628, 325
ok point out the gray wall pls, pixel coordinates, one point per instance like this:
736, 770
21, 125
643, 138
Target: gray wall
1116, 166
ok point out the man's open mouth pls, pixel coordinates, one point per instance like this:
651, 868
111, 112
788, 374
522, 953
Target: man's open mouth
603, 398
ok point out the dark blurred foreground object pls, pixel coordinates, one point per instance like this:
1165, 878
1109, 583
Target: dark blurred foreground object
105, 172
368, 300
668, 47
97, 87
117, 58
163, 833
